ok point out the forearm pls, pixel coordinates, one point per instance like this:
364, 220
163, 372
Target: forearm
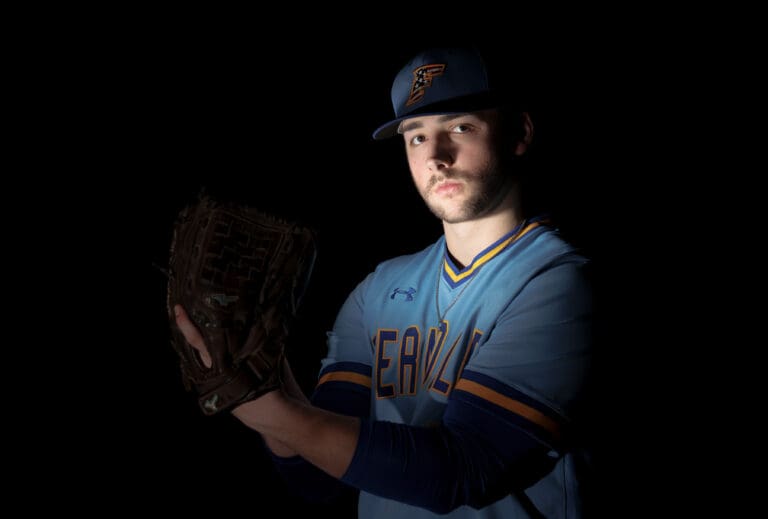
292, 388
325, 439
278, 447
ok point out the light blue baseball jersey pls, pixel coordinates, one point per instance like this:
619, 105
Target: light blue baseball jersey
468, 377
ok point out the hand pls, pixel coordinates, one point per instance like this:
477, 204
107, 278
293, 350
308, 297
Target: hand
192, 335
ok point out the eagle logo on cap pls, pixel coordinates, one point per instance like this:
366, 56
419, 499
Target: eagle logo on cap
422, 78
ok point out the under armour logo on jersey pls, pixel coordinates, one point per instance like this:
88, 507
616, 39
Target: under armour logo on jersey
407, 294
422, 78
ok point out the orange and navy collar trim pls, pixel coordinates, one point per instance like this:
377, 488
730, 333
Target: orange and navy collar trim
455, 276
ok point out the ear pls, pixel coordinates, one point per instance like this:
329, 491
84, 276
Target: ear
526, 135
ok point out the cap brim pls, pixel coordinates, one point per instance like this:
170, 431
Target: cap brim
461, 105
387, 130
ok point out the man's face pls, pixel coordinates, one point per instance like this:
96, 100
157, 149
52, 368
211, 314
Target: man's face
455, 163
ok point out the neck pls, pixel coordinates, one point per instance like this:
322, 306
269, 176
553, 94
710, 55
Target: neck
465, 240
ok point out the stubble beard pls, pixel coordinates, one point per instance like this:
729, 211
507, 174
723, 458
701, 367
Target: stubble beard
487, 191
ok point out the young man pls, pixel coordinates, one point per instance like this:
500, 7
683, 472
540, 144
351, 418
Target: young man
454, 375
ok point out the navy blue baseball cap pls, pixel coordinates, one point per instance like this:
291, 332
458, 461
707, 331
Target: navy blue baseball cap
439, 81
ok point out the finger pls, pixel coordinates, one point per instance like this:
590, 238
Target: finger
192, 335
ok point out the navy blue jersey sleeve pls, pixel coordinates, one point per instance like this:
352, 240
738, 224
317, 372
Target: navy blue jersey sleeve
442, 468
309, 482
506, 422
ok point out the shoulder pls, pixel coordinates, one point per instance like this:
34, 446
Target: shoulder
545, 246
557, 271
547, 265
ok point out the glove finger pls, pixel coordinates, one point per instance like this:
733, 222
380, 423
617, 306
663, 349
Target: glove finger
192, 335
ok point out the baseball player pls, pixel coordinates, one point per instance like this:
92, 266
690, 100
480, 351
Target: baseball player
454, 375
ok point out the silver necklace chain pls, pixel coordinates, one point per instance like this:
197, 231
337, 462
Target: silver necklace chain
437, 293
441, 264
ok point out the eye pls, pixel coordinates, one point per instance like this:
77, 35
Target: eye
416, 140
461, 128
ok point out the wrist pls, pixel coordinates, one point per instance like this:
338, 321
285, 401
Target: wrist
254, 412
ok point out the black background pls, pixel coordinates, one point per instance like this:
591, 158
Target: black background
250, 119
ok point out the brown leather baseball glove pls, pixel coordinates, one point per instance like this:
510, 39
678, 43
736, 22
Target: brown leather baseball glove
240, 274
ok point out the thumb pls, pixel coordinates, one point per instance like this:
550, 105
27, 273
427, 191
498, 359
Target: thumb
192, 335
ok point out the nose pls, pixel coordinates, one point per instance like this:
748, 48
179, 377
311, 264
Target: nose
439, 155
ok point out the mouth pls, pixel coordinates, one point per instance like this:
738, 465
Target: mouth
447, 188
